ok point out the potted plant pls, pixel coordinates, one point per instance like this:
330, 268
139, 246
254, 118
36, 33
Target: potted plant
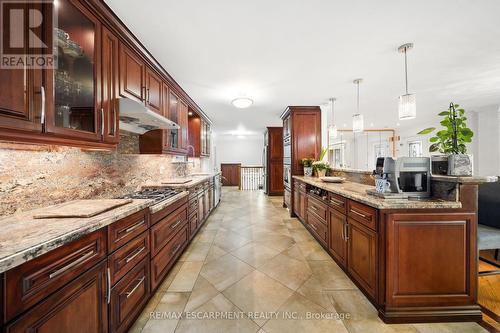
307, 164
321, 166
453, 140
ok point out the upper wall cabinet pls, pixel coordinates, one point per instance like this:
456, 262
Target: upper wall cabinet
66, 104
75, 103
199, 136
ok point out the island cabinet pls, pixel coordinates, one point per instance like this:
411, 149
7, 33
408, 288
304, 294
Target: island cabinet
413, 264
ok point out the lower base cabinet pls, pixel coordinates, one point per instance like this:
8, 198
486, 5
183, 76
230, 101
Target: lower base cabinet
79, 307
362, 256
128, 297
338, 241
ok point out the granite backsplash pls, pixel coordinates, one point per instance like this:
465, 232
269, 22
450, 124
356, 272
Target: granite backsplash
34, 176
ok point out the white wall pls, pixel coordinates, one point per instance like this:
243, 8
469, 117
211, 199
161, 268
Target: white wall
246, 150
488, 140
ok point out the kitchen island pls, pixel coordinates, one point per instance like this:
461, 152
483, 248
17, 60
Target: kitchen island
415, 260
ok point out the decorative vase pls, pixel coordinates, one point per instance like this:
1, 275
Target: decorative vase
308, 171
321, 173
460, 165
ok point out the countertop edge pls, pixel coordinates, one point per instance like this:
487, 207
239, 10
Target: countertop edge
385, 205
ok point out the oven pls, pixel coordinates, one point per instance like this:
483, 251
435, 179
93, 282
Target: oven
287, 176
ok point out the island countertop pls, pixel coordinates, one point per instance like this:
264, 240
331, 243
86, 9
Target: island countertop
357, 192
181, 183
24, 238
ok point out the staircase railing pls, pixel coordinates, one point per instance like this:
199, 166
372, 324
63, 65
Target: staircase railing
252, 178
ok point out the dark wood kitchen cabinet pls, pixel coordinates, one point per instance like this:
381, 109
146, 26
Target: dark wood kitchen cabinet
132, 75
154, 90
79, 307
199, 136
273, 140
338, 236
301, 139
76, 103
110, 86
362, 255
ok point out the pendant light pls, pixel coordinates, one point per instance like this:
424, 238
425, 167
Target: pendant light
358, 124
407, 105
332, 129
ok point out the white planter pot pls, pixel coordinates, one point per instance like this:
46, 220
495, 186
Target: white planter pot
308, 171
460, 165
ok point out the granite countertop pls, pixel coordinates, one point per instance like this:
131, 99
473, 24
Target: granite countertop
195, 180
24, 238
465, 179
357, 192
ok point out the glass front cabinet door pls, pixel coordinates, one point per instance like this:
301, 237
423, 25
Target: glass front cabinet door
72, 108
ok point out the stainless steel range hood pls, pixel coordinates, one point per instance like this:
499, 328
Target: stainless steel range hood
136, 118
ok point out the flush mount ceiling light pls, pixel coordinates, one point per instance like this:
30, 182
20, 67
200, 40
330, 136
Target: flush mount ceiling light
358, 124
332, 129
407, 105
242, 102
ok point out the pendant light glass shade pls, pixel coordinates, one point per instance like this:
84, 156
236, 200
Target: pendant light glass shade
332, 128
407, 107
358, 124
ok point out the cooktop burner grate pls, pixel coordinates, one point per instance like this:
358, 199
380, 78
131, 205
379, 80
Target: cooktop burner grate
154, 194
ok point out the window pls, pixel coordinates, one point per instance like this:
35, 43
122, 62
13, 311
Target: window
337, 155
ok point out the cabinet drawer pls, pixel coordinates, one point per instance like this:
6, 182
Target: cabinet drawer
129, 296
79, 307
37, 279
363, 214
318, 228
121, 232
337, 202
193, 205
166, 228
126, 257
164, 260
317, 207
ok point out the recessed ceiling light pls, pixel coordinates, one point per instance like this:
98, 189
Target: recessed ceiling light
242, 102
190, 113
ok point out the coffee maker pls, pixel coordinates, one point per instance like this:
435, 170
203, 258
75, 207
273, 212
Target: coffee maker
386, 169
413, 176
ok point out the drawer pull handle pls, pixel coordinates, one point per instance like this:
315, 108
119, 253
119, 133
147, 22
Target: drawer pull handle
337, 202
135, 226
176, 224
314, 207
70, 265
108, 278
358, 213
128, 294
132, 257
177, 247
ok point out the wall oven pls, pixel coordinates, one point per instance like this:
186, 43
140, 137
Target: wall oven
287, 176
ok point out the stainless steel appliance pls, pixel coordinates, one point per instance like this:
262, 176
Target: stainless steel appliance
386, 168
154, 194
217, 189
413, 176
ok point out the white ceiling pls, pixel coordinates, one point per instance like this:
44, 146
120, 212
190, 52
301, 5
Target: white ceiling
298, 52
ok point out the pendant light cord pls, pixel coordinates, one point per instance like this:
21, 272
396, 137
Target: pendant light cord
357, 83
406, 71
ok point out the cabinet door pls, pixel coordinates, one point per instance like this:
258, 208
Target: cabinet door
132, 73
154, 91
72, 89
109, 89
296, 202
362, 256
79, 307
183, 123
129, 296
173, 140
208, 133
338, 237
21, 93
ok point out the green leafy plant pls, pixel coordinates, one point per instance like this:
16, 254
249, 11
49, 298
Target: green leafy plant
307, 162
323, 153
321, 165
455, 135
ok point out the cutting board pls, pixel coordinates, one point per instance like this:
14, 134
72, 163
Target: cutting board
80, 208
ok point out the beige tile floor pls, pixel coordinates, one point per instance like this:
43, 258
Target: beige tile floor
251, 268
